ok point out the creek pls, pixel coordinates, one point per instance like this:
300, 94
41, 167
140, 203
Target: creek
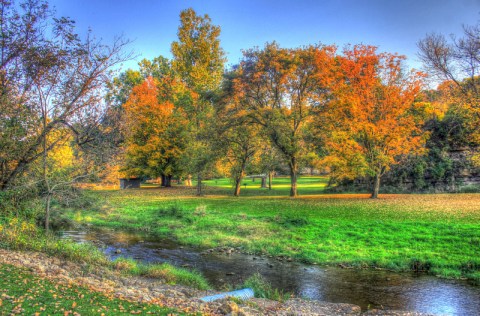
365, 288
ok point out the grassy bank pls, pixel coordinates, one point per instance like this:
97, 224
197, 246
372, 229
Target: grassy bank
23, 293
21, 235
435, 233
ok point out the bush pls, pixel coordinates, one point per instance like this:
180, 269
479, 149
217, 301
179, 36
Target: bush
58, 220
470, 189
263, 289
21, 203
16, 233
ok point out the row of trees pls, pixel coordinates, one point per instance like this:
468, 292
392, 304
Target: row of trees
357, 112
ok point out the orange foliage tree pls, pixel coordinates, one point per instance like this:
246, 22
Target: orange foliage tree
154, 129
371, 118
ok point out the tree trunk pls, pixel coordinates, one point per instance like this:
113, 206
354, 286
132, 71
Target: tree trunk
376, 186
238, 184
47, 211
168, 181
239, 177
270, 179
199, 185
164, 180
264, 182
293, 177
45, 175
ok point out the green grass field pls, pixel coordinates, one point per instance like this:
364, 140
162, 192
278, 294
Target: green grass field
25, 294
438, 233
281, 186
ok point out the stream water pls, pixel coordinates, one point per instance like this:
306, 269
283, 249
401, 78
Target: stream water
366, 288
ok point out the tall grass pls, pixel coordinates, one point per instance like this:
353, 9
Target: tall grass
164, 271
263, 289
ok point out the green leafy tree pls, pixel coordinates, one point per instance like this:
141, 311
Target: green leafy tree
280, 88
456, 62
238, 138
50, 81
198, 60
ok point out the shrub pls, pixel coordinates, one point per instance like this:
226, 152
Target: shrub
470, 189
263, 289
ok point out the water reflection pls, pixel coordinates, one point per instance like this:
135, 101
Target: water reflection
366, 288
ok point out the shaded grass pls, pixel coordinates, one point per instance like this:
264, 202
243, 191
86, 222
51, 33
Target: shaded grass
435, 233
25, 294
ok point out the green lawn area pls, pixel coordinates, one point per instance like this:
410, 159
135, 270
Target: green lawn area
435, 232
281, 186
25, 294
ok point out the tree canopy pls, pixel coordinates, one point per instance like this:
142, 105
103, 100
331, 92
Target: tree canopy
372, 116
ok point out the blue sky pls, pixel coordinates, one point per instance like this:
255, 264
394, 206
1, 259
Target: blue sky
394, 26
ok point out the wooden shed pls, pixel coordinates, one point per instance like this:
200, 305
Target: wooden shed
130, 183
